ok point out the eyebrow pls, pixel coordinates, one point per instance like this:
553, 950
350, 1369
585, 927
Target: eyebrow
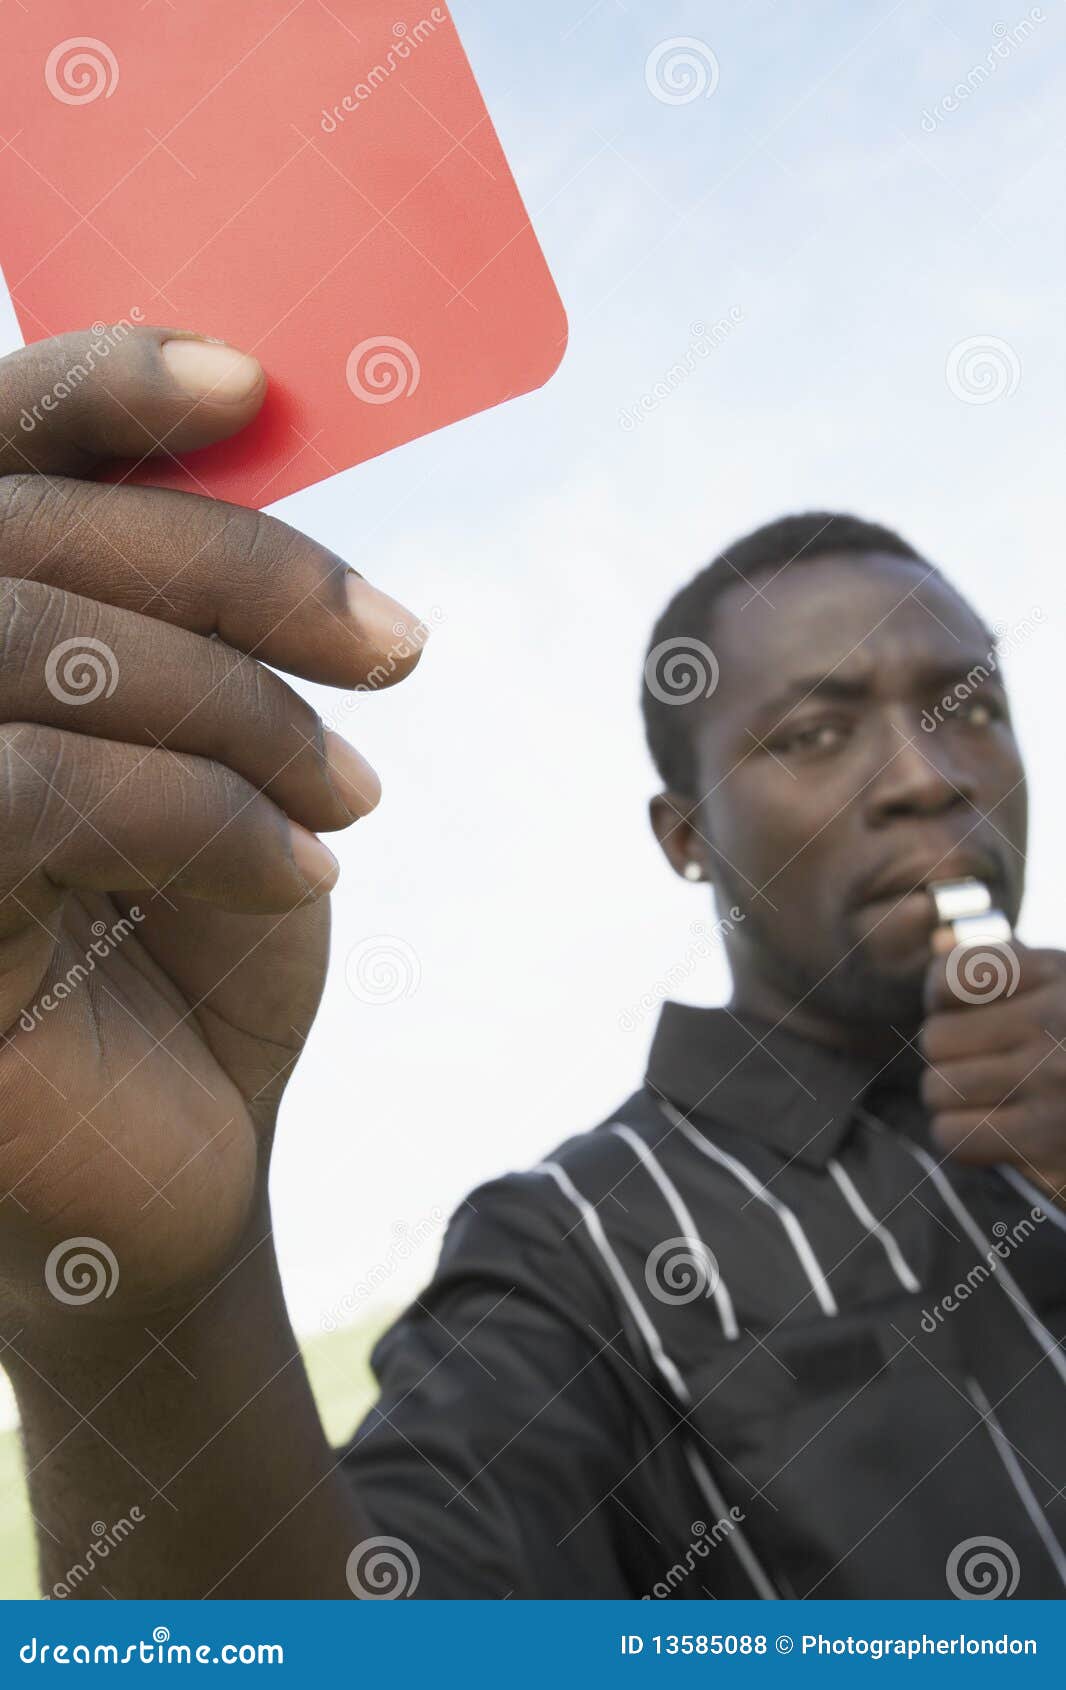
852, 688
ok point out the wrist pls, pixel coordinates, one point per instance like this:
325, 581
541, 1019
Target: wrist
100, 1324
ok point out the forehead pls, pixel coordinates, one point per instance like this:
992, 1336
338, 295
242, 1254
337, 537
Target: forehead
877, 620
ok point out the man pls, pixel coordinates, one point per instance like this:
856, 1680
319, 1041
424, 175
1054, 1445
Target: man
758, 1334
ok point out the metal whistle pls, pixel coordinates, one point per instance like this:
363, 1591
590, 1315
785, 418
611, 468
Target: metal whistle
966, 908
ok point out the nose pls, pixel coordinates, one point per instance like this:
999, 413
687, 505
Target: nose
919, 777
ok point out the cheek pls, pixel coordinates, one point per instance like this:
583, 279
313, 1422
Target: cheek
774, 833
1011, 797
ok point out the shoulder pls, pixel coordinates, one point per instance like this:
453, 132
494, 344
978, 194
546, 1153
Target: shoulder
555, 1223
579, 1173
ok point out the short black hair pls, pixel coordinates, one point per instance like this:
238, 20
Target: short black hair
680, 670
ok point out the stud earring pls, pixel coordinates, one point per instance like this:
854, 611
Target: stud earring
693, 871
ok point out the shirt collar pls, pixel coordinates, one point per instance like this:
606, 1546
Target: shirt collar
798, 1097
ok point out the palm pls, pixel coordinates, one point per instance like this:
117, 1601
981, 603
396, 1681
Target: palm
164, 1066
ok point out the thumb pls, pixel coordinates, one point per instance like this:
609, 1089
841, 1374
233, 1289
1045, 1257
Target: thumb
69, 403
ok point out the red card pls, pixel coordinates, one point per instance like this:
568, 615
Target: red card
318, 183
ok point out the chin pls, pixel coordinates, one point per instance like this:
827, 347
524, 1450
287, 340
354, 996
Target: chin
887, 1001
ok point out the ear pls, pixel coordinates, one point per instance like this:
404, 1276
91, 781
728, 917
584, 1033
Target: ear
673, 824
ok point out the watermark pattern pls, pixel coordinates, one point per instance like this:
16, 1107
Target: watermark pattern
982, 369
105, 940
983, 972
383, 369
1008, 637
706, 943
982, 1569
407, 37
383, 969
105, 1539
681, 70
700, 1546
681, 1270
1008, 1239
80, 1270
1008, 37
81, 670
80, 70
382, 1569
105, 337
409, 1240
705, 341
681, 669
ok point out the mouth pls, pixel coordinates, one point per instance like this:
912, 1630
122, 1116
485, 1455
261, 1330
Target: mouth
909, 878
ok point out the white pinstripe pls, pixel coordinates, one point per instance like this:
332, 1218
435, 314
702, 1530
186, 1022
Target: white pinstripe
683, 1216
878, 1229
1018, 1478
796, 1235
1034, 1196
663, 1362
1011, 1288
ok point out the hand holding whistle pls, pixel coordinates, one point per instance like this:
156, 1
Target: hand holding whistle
994, 1040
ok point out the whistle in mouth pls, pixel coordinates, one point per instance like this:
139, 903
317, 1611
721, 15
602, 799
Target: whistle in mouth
966, 908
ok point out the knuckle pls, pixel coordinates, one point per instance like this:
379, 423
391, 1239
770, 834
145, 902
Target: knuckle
931, 1040
283, 562
252, 698
226, 796
951, 1127
21, 497
30, 615
30, 759
933, 1089
47, 641
270, 544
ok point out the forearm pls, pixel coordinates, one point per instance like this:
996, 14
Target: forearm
207, 1443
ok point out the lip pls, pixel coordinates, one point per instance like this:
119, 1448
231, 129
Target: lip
912, 875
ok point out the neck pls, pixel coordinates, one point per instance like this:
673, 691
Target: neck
879, 1040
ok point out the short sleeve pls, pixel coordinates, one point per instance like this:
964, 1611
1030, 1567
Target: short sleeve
516, 1449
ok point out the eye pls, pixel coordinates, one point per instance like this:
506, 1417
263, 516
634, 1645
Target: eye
981, 712
818, 738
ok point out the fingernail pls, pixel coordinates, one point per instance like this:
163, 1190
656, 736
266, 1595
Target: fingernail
207, 371
314, 860
354, 781
395, 631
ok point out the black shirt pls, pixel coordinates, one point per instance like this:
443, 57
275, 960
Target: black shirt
750, 1337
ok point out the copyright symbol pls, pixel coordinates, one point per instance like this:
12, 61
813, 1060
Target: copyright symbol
785, 1645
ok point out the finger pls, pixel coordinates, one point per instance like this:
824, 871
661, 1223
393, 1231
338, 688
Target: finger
96, 815
69, 403
983, 1137
993, 1028
974, 975
978, 1082
212, 568
68, 663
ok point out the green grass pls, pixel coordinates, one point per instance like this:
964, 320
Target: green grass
344, 1389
